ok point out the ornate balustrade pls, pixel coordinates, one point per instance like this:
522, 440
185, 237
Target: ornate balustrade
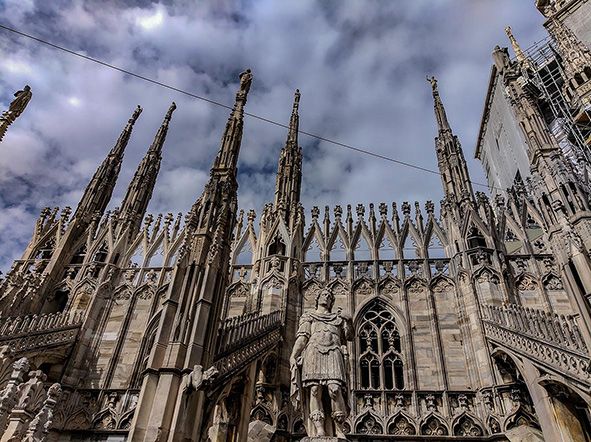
18, 325
21, 333
243, 338
551, 339
237, 331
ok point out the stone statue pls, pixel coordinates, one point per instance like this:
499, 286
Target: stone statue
319, 369
19, 103
433, 82
245, 80
16, 108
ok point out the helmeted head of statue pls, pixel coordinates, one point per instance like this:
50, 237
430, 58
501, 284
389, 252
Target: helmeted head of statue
325, 297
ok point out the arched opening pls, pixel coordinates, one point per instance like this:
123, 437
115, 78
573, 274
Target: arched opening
277, 247
475, 239
46, 250
102, 253
56, 303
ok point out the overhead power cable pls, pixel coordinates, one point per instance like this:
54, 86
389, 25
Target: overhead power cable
217, 103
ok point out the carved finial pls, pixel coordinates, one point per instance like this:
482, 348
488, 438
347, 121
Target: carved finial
406, 208
360, 210
383, 209
251, 216
338, 212
315, 212
430, 207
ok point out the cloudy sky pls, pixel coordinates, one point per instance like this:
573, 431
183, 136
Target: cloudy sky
360, 66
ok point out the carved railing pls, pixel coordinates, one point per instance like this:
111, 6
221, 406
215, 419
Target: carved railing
37, 323
238, 331
21, 333
548, 338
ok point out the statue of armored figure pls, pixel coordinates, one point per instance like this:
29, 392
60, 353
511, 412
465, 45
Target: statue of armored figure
320, 370
17, 106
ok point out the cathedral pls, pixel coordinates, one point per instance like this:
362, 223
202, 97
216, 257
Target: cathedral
474, 324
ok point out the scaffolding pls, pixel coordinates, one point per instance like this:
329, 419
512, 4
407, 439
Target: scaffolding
569, 123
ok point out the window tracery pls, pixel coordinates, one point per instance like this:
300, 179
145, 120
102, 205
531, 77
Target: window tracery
380, 360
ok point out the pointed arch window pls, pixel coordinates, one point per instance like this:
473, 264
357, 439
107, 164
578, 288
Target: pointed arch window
380, 359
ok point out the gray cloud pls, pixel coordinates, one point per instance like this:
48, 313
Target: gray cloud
359, 65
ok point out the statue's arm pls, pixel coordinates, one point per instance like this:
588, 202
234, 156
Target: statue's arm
298, 348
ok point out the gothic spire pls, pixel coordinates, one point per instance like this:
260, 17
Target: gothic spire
140, 189
98, 193
294, 121
289, 171
450, 155
440, 114
228, 155
519, 54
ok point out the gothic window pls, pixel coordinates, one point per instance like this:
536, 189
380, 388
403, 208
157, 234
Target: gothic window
380, 360
101, 253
